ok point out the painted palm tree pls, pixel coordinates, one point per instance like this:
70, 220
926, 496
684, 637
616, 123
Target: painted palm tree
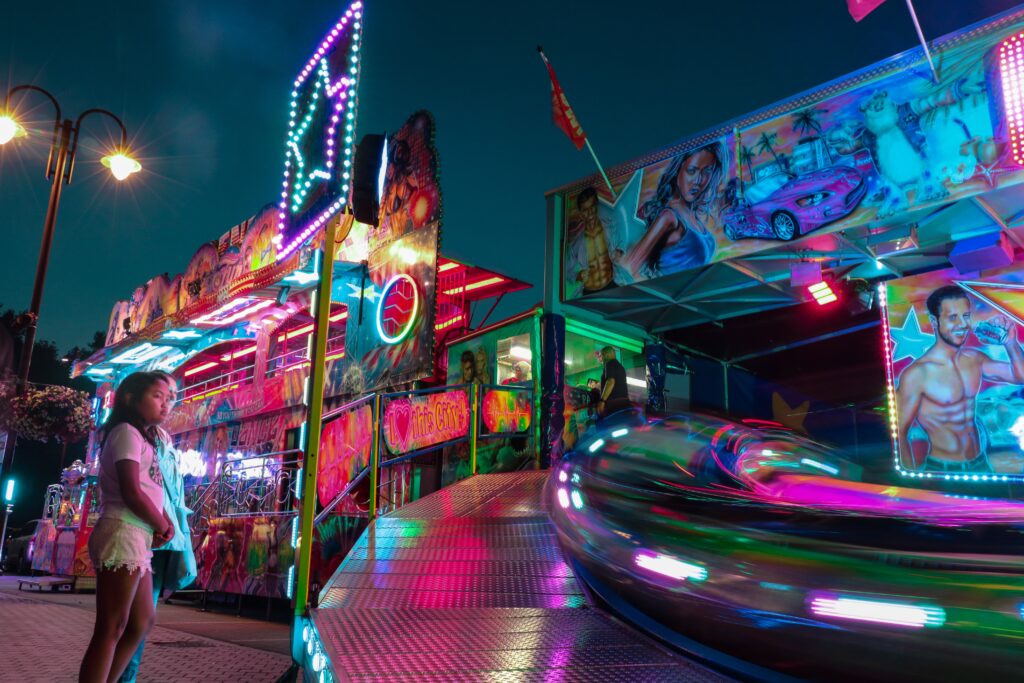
766, 143
805, 122
747, 157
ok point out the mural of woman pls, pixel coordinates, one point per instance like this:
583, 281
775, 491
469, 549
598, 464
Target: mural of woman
677, 217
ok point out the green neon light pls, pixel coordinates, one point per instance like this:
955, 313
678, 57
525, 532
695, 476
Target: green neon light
388, 339
605, 336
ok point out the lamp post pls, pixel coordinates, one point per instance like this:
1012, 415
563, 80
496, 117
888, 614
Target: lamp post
59, 168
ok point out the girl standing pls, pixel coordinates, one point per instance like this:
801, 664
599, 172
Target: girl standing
132, 522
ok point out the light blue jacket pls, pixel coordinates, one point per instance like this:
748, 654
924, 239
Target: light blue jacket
174, 505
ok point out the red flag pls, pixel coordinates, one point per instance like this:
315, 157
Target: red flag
861, 8
561, 112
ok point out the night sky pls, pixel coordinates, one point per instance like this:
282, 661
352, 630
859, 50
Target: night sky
203, 88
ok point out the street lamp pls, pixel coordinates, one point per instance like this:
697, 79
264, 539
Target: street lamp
59, 168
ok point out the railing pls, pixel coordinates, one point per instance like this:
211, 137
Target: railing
51, 504
264, 485
242, 375
400, 433
299, 357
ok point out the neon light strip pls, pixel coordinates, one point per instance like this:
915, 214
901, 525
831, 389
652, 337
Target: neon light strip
196, 370
604, 336
476, 285
450, 265
669, 566
879, 612
339, 316
340, 354
296, 332
448, 323
238, 354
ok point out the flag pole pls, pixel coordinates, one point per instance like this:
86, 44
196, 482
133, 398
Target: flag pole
920, 36
590, 148
601, 169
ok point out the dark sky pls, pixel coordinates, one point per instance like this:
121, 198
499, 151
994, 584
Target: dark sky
203, 87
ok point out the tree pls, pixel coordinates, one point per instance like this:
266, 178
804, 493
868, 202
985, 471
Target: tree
747, 157
766, 144
805, 121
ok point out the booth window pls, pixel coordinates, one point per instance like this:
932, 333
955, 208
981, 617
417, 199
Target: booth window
515, 359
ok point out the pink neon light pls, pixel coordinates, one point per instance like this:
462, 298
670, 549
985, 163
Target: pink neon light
199, 368
1011, 71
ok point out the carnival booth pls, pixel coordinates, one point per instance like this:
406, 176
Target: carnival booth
299, 368
789, 254
838, 275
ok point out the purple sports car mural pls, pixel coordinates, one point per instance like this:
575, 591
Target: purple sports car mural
783, 207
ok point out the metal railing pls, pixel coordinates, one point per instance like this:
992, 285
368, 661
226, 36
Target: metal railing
243, 375
510, 417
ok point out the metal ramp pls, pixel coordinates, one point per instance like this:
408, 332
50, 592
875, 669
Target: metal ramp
469, 584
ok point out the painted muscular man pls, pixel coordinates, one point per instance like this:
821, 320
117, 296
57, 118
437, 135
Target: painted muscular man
598, 273
938, 391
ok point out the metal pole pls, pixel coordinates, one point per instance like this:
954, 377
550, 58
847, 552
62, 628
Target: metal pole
375, 459
474, 427
920, 36
3, 535
601, 169
314, 421
37, 288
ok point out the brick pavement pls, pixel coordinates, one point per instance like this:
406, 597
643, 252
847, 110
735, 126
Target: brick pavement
43, 642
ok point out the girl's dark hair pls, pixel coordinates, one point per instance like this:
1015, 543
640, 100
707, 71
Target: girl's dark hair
126, 401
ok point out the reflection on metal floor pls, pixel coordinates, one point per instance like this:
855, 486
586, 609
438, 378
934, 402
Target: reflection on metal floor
469, 584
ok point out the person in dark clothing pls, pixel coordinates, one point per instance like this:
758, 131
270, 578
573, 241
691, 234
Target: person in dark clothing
614, 391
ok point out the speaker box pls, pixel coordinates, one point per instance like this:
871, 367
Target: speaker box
983, 252
367, 170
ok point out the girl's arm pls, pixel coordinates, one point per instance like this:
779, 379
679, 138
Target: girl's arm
641, 253
138, 502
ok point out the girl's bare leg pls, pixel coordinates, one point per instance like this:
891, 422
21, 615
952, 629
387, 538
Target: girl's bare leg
140, 620
116, 591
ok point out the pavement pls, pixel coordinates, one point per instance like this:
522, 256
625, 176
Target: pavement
44, 635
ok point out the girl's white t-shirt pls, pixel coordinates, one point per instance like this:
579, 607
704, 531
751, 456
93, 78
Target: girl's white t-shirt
125, 442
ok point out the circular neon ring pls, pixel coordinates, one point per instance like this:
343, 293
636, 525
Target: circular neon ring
412, 317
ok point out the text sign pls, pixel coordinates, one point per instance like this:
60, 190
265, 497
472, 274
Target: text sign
416, 422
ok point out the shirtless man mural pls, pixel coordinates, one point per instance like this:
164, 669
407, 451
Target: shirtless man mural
938, 391
598, 274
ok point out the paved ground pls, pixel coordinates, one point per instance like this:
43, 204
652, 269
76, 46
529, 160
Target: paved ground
43, 637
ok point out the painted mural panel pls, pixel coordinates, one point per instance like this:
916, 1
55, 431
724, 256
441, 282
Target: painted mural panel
957, 369
390, 333
501, 356
871, 153
411, 198
217, 269
344, 451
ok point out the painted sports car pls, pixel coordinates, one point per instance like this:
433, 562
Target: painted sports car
782, 208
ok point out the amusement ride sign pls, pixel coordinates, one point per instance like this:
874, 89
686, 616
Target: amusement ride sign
506, 411
418, 422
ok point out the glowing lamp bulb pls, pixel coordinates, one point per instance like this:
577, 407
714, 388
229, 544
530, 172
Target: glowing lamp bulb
10, 129
121, 165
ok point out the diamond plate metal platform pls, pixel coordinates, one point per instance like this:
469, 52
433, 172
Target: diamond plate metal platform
469, 584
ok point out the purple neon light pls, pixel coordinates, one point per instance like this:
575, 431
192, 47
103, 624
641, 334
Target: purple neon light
344, 109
